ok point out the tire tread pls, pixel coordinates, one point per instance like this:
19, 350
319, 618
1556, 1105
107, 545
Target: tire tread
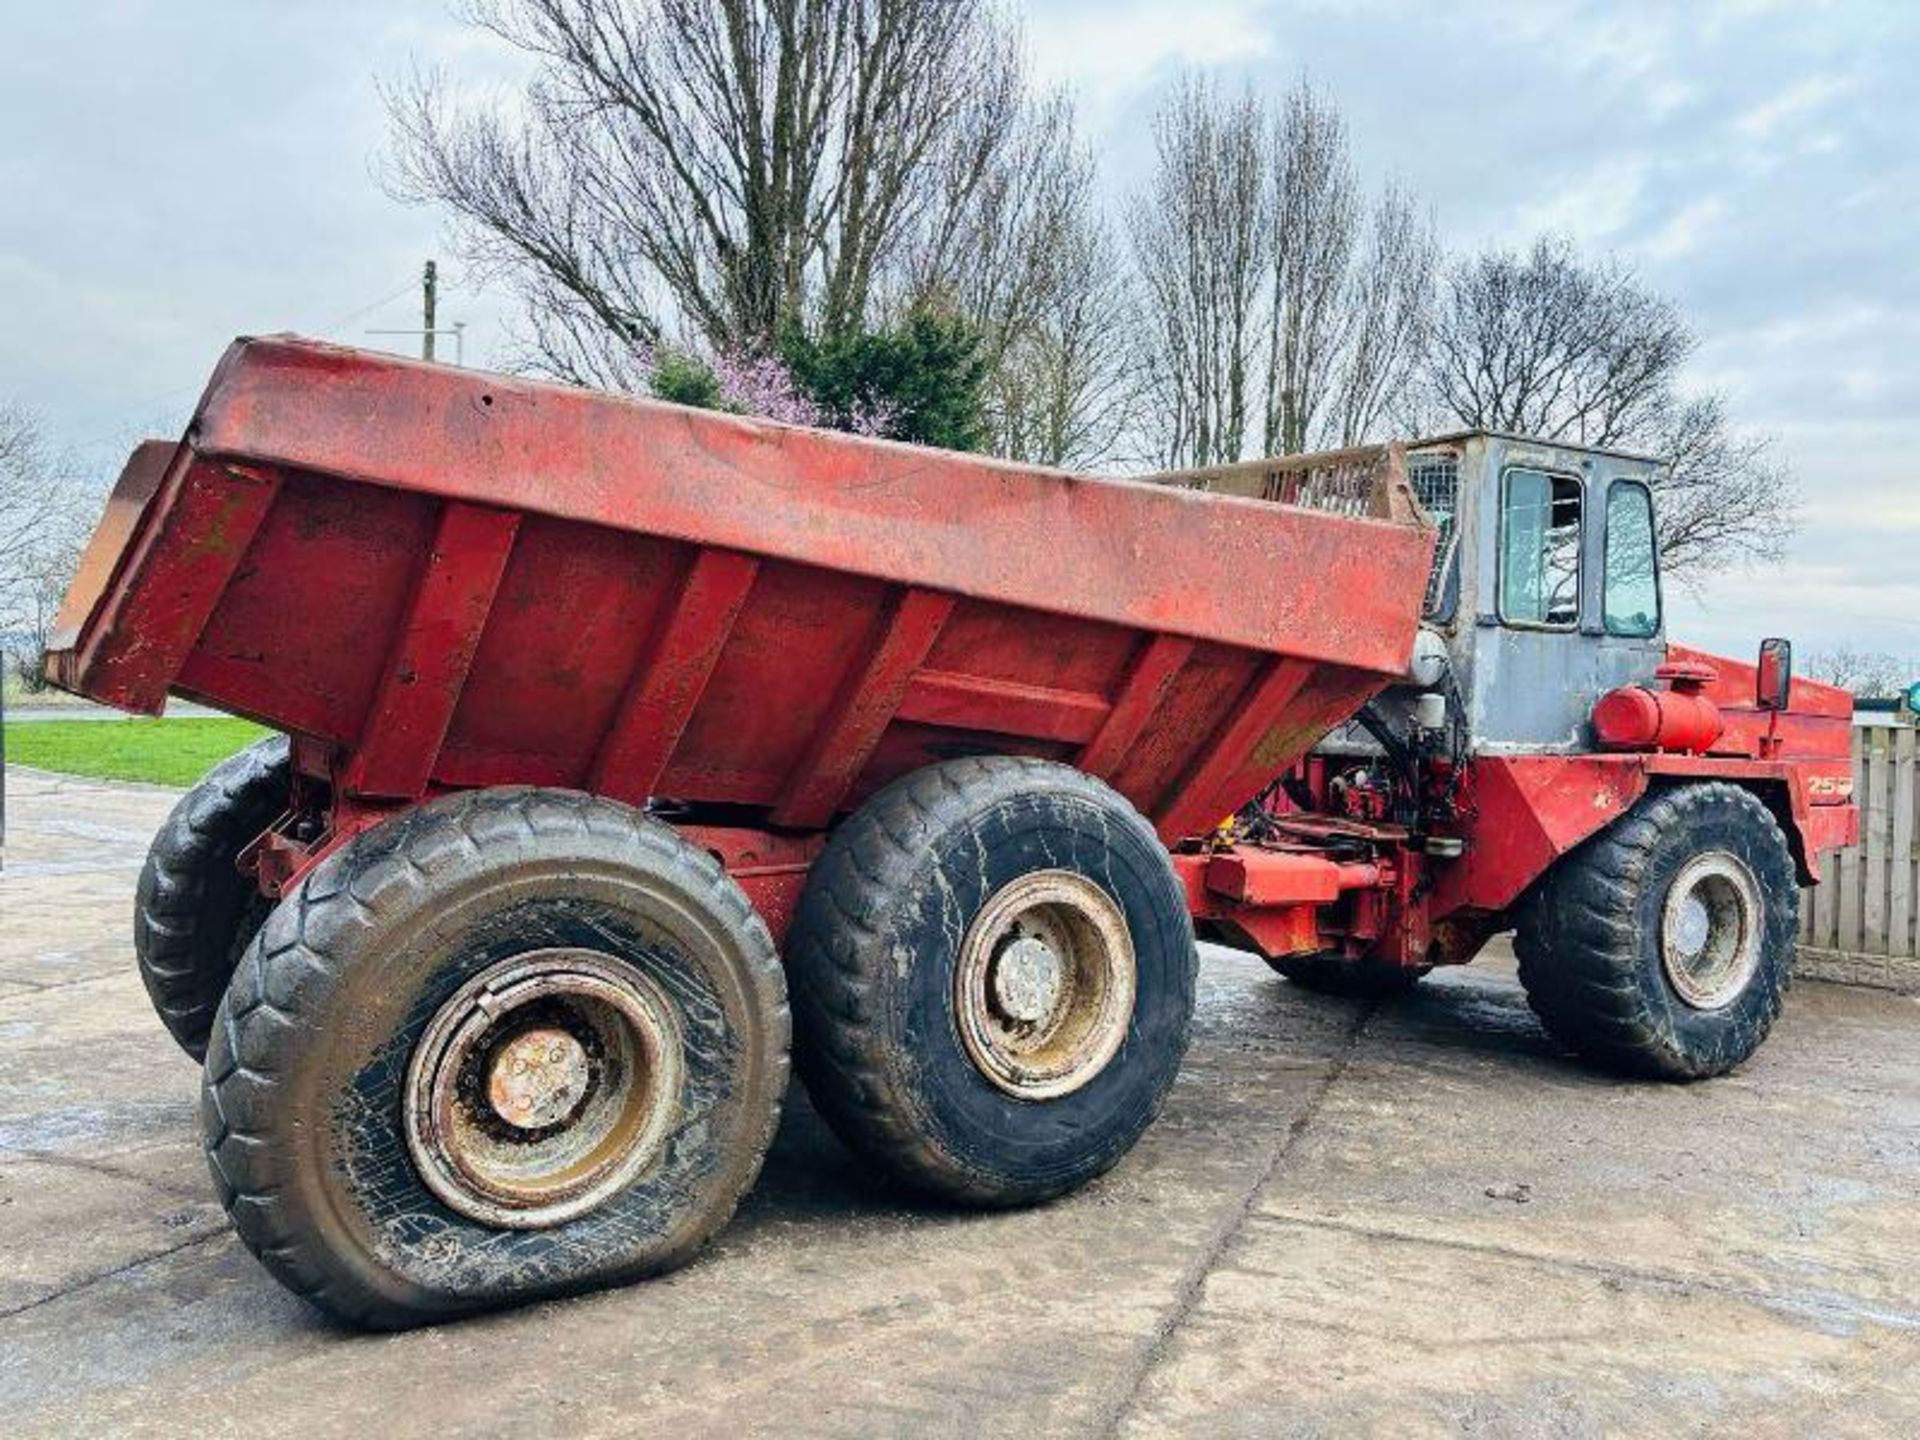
1578, 946
844, 1050
185, 951
299, 946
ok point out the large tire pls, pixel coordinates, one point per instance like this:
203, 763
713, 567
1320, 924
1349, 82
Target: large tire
909, 921
399, 977
1664, 946
1366, 978
194, 912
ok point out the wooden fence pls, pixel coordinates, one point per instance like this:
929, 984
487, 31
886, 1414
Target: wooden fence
1863, 924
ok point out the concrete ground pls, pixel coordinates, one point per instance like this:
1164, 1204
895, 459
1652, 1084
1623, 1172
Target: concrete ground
55, 705
1412, 1219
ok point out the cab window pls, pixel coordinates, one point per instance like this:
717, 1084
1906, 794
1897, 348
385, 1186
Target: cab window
1540, 549
1631, 594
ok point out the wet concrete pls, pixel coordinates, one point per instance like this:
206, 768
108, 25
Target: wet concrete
1413, 1219
63, 707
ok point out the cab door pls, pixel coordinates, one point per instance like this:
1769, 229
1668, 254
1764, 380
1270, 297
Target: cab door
1563, 615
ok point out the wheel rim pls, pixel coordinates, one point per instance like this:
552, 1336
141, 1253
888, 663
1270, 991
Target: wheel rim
1044, 988
543, 1087
1710, 930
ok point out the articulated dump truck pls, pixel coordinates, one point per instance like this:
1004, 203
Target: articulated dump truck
626, 749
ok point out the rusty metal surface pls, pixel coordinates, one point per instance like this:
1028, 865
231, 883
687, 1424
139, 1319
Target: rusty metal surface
992, 530
435, 578
139, 481
1043, 988
175, 564
543, 1085
1363, 481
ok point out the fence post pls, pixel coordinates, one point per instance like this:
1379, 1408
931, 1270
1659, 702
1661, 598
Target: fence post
1863, 924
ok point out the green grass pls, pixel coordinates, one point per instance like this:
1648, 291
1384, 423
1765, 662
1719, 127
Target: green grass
164, 752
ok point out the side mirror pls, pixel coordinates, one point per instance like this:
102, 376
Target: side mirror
1775, 679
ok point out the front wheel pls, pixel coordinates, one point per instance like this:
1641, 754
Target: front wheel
1664, 946
993, 972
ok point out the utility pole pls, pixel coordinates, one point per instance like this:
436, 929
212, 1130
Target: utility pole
429, 330
429, 282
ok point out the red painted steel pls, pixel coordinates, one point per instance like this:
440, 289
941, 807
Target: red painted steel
170, 576
1283, 877
1636, 717
1816, 725
1140, 696
145, 471
672, 676
1525, 811
432, 653
1137, 556
435, 578
936, 698
1528, 810
771, 868
867, 701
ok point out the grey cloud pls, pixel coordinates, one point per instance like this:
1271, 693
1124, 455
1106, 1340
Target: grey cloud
175, 172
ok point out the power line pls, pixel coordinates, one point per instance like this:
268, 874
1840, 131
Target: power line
364, 310
137, 409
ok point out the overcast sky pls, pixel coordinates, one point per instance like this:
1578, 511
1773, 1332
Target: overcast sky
176, 172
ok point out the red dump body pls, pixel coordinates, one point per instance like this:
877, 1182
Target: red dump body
435, 578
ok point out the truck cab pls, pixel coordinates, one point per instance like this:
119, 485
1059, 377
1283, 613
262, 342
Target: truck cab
1546, 584
1641, 813
1544, 633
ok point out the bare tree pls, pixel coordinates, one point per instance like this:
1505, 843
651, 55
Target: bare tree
1727, 498
1018, 246
1005, 194
1200, 238
33, 498
1315, 215
1066, 391
1340, 291
40, 537
1869, 674
1547, 343
1389, 303
722, 166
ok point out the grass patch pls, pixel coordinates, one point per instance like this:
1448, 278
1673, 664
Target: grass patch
163, 752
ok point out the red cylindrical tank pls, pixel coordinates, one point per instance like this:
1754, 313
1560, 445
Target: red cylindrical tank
1636, 717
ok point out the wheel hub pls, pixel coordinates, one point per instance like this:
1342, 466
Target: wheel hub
1710, 930
538, 1077
1044, 984
542, 1087
1026, 980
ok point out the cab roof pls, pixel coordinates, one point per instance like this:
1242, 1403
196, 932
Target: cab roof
1454, 437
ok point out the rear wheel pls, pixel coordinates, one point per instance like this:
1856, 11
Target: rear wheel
512, 1043
993, 971
1665, 945
194, 912
1367, 978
